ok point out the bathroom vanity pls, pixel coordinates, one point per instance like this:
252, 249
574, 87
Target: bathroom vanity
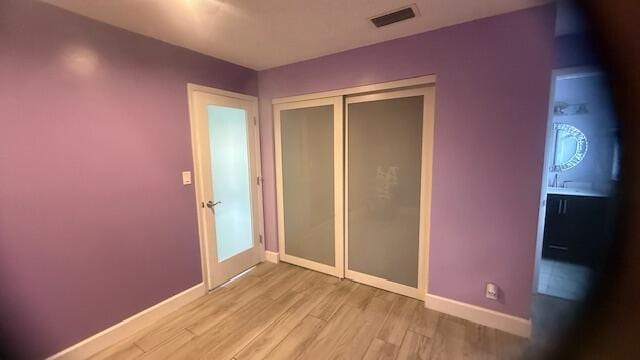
578, 214
575, 225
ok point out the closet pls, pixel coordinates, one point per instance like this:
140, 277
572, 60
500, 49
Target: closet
353, 178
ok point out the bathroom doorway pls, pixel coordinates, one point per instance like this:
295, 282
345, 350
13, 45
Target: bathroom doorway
579, 179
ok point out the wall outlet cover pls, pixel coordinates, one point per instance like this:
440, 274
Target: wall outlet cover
492, 291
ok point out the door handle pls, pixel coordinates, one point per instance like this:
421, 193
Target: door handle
564, 209
560, 207
211, 204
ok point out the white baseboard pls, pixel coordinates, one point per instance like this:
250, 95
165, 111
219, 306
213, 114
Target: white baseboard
494, 319
272, 257
129, 326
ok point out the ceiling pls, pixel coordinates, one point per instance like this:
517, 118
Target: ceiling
261, 34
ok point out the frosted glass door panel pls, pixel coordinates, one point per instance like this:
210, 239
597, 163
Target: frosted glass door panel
308, 183
384, 164
231, 181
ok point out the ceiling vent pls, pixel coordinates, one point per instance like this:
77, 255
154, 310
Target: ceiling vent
395, 16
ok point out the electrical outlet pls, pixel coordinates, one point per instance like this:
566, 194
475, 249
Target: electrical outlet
492, 291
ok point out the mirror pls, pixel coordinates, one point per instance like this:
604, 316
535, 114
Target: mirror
570, 147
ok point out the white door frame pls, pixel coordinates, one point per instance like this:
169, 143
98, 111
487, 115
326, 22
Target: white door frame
420, 83
428, 94
338, 268
362, 89
549, 143
207, 243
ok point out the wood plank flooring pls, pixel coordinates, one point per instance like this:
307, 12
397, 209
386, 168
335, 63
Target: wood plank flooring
287, 312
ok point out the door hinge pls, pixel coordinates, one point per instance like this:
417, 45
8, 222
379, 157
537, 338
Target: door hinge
259, 180
255, 121
260, 237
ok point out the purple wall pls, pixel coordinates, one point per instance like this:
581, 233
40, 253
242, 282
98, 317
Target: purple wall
491, 112
94, 223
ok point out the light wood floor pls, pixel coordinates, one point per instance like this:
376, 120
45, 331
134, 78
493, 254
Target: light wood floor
287, 312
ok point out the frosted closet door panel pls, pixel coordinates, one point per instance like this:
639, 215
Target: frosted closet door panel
384, 150
308, 183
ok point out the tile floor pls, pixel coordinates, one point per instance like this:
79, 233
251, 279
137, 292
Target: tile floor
564, 280
282, 312
551, 317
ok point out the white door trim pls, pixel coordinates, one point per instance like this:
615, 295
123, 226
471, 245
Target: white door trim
391, 85
428, 116
207, 245
338, 269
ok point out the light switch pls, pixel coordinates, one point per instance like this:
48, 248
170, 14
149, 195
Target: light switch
186, 178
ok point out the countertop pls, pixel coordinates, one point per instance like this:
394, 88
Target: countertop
576, 192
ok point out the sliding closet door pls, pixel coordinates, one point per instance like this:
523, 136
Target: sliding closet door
388, 183
309, 178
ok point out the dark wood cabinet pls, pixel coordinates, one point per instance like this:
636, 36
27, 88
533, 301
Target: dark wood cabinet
575, 228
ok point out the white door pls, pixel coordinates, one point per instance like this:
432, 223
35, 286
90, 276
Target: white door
225, 142
309, 181
389, 140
